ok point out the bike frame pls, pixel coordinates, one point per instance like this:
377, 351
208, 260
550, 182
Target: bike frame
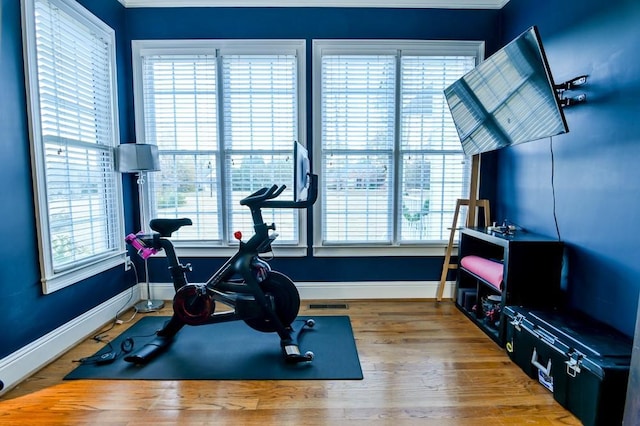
245, 295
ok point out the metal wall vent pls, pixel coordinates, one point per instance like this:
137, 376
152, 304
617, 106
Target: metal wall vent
329, 306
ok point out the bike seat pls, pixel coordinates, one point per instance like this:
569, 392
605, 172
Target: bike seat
166, 227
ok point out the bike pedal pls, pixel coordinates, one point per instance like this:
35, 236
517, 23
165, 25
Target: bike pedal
292, 350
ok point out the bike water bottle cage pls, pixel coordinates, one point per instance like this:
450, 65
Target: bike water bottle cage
166, 227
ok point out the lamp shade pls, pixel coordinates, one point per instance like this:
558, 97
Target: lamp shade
137, 157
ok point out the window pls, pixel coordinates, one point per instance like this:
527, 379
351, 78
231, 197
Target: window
70, 69
224, 115
391, 163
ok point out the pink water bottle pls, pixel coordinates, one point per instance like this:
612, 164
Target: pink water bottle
142, 249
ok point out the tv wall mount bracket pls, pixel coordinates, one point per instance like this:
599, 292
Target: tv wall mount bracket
569, 85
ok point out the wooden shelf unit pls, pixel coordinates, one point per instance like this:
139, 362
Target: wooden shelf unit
531, 276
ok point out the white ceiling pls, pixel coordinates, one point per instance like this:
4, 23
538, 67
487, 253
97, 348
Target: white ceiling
441, 4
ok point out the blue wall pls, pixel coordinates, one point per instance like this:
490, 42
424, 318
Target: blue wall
597, 177
309, 24
27, 314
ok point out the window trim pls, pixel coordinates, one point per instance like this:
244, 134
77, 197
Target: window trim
450, 4
355, 47
140, 48
55, 280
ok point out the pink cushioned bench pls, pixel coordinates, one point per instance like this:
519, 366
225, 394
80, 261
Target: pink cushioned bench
489, 270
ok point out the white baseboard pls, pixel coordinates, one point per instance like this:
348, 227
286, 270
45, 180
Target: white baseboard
344, 290
27, 360
373, 290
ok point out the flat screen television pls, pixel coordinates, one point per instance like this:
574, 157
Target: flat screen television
507, 99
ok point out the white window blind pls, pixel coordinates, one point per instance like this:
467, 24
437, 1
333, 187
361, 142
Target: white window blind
180, 117
260, 125
434, 171
358, 116
70, 73
392, 163
225, 123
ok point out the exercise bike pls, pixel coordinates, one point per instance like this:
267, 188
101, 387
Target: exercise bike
266, 300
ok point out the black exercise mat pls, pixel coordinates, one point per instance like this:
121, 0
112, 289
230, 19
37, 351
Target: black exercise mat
233, 351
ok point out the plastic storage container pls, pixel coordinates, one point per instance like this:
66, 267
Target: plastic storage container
584, 363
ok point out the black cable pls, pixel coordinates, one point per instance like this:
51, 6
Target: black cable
98, 337
553, 188
100, 357
101, 336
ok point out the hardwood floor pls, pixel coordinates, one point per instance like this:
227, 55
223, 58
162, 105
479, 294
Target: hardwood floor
423, 363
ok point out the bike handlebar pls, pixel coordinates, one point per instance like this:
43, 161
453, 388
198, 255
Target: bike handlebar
263, 194
262, 197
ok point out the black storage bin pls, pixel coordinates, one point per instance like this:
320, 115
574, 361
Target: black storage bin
584, 363
467, 298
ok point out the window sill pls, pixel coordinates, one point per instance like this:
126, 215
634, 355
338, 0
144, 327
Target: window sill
383, 251
191, 251
336, 251
64, 279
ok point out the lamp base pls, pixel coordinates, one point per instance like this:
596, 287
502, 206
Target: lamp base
149, 306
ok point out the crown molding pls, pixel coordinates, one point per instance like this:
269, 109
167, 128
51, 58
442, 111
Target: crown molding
417, 4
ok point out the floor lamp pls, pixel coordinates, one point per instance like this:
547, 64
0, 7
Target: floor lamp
140, 159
